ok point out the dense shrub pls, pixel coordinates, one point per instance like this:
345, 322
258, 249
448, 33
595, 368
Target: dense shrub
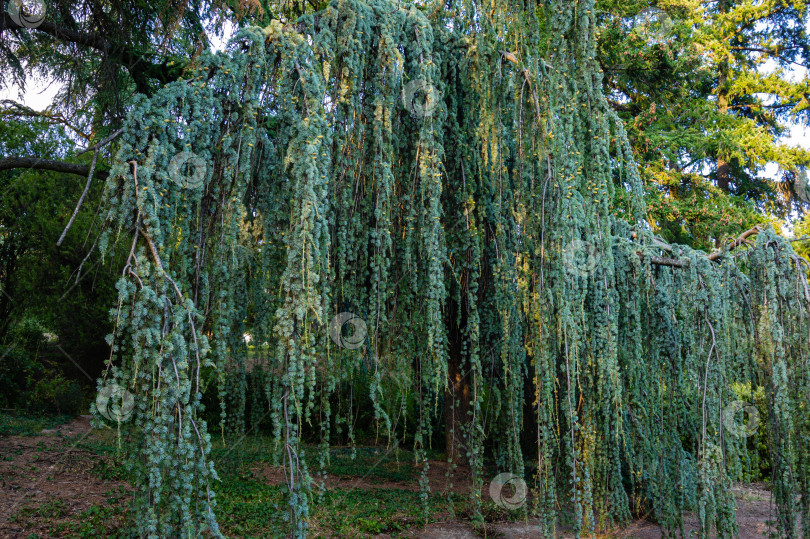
31, 381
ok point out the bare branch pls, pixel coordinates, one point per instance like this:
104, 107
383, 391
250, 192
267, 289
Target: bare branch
101, 144
736, 243
81, 199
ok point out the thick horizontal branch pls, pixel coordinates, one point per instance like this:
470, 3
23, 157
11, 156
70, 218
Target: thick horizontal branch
10, 163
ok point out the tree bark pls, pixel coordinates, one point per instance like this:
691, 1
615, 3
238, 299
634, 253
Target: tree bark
9, 163
723, 166
457, 396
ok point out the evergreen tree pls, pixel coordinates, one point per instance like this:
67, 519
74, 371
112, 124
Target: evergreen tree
453, 174
709, 91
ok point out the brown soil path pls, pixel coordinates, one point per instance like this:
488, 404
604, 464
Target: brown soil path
36, 470
754, 511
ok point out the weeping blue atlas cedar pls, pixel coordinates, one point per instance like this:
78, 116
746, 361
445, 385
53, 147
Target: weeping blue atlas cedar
477, 228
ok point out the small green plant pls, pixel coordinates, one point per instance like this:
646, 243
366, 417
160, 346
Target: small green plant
373, 464
57, 395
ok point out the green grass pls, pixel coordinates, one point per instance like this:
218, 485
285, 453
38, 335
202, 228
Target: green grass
24, 424
247, 506
367, 512
252, 509
99, 521
108, 520
375, 465
110, 466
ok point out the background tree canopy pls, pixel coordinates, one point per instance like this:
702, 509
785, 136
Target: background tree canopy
463, 224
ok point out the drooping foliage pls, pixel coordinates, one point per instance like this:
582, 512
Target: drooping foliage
455, 178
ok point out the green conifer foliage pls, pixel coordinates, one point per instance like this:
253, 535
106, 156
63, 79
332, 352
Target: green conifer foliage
393, 162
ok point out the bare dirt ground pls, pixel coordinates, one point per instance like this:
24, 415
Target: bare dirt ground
36, 470
754, 511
